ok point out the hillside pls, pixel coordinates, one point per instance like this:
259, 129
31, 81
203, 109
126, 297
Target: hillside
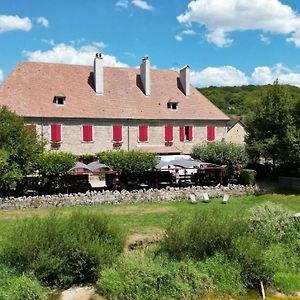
237, 101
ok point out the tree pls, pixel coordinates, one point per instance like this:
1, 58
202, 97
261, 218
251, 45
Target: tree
271, 127
220, 153
19, 148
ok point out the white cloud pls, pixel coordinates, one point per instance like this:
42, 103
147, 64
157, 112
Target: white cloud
221, 76
264, 39
10, 23
188, 32
63, 53
122, 3
223, 17
43, 21
1, 75
178, 37
142, 4
266, 75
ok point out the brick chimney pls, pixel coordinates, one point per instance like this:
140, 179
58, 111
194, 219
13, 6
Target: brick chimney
185, 79
145, 75
98, 74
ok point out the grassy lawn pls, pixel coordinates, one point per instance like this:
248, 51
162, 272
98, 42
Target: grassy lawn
150, 217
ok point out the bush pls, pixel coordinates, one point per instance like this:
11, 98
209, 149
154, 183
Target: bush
126, 162
51, 163
270, 222
287, 282
247, 176
62, 250
137, 277
225, 275
19, 287
209, 231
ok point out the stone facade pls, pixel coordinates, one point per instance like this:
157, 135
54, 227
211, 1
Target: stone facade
102, 133
236, 134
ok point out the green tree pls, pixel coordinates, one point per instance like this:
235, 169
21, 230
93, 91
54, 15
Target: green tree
19, 148
271, 127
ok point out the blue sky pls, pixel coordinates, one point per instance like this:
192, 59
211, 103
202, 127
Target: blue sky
225, 42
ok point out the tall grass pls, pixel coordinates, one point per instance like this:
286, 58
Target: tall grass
63, 250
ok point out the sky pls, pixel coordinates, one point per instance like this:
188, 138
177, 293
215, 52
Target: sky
225, 42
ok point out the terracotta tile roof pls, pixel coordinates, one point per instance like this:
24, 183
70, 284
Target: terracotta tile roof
30, 88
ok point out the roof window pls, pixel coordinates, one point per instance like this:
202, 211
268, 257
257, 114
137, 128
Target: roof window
172, 105
59, 100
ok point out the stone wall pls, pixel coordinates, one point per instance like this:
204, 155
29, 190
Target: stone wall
92, 198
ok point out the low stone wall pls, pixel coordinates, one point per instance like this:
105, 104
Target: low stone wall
289, 183
92, 198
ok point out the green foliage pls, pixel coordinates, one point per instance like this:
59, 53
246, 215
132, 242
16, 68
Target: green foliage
52, 163
62, 250
19, 148
271, 127
270, 222
206, 233
287, 282
225, 275
19, 287
247, 176
126, 162
138, 277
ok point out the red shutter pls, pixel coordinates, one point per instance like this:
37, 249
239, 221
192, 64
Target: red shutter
210, 133
55, 132
87, 133
181, 133
168, 133
190, 133
143, 133
117, 133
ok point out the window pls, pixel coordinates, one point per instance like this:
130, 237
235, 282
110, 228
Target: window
185, 133
87, 133
168, 133
210, 133
117, 133
172, 105
55, 133
59, 100
143, 133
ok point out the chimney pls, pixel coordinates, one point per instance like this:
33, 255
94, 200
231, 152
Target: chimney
98, 74
185, 79
145, 75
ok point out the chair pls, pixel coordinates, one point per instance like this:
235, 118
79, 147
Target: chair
205, 198
225, 199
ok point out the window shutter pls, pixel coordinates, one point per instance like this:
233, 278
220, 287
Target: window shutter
55, 132
143, 133
190, 133
168, 133
210, 133
117, 133
87, 133
181, 133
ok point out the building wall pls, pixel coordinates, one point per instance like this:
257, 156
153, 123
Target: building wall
102, 132
236, 134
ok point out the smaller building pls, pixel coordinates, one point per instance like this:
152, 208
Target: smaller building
236, 132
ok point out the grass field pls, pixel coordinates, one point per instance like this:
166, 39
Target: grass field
153, 217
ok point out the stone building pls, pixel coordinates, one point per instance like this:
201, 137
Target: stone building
86, 109
236, 132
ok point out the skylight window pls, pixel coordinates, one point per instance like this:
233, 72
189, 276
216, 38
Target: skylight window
172, 105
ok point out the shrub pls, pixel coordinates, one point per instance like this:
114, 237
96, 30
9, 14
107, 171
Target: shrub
225, 275
247, 176
19, 287
287, 282
209, 231
137, 277
126, 162
270, 222
51, 163
62, 250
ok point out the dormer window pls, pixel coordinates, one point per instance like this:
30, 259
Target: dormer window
59, 100
172, 105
